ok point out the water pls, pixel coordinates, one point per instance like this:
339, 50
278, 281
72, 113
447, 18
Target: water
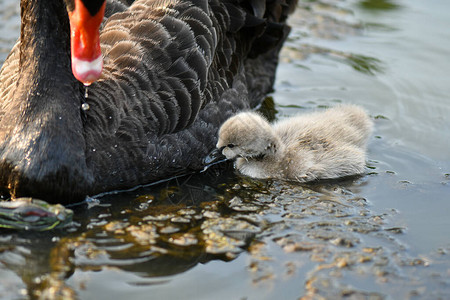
410, 92
383, 235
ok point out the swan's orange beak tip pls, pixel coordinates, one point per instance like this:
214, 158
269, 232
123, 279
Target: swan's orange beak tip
87, 71
86, 56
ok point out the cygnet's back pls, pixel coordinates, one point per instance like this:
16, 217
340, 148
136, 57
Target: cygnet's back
325, 144
340, 124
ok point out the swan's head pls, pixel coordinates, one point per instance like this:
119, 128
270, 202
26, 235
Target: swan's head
247, 135
85, 18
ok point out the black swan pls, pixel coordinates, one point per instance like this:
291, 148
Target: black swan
173, 72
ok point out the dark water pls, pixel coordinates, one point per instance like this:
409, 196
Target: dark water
222, 236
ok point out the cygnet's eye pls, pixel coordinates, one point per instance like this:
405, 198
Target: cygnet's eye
230, 145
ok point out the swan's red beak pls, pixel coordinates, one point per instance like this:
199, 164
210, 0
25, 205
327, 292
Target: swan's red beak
87, 60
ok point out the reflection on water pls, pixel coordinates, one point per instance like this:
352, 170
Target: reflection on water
33, 214
218, 235
361, 63
171, 228
375, 5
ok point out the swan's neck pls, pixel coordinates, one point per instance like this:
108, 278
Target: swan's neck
42, 147
45, 34
45, 81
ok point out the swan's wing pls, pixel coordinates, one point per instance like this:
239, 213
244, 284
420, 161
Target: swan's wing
167, 59
8, 76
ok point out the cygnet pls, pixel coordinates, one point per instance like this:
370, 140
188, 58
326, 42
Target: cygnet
320, 145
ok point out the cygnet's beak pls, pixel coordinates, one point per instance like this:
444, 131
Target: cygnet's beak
215, 156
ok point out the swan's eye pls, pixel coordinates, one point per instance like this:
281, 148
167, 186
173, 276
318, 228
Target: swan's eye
230, 145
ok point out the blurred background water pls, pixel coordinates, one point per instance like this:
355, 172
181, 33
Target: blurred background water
219, 235
393, 61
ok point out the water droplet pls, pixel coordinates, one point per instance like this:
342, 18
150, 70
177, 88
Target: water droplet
86, 92
85, 106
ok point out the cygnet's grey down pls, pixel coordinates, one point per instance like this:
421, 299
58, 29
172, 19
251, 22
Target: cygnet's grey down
320, 145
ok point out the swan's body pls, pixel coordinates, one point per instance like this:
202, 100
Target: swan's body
320, 145
173, 71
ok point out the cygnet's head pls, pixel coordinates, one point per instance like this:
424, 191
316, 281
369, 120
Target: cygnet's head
247, 135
